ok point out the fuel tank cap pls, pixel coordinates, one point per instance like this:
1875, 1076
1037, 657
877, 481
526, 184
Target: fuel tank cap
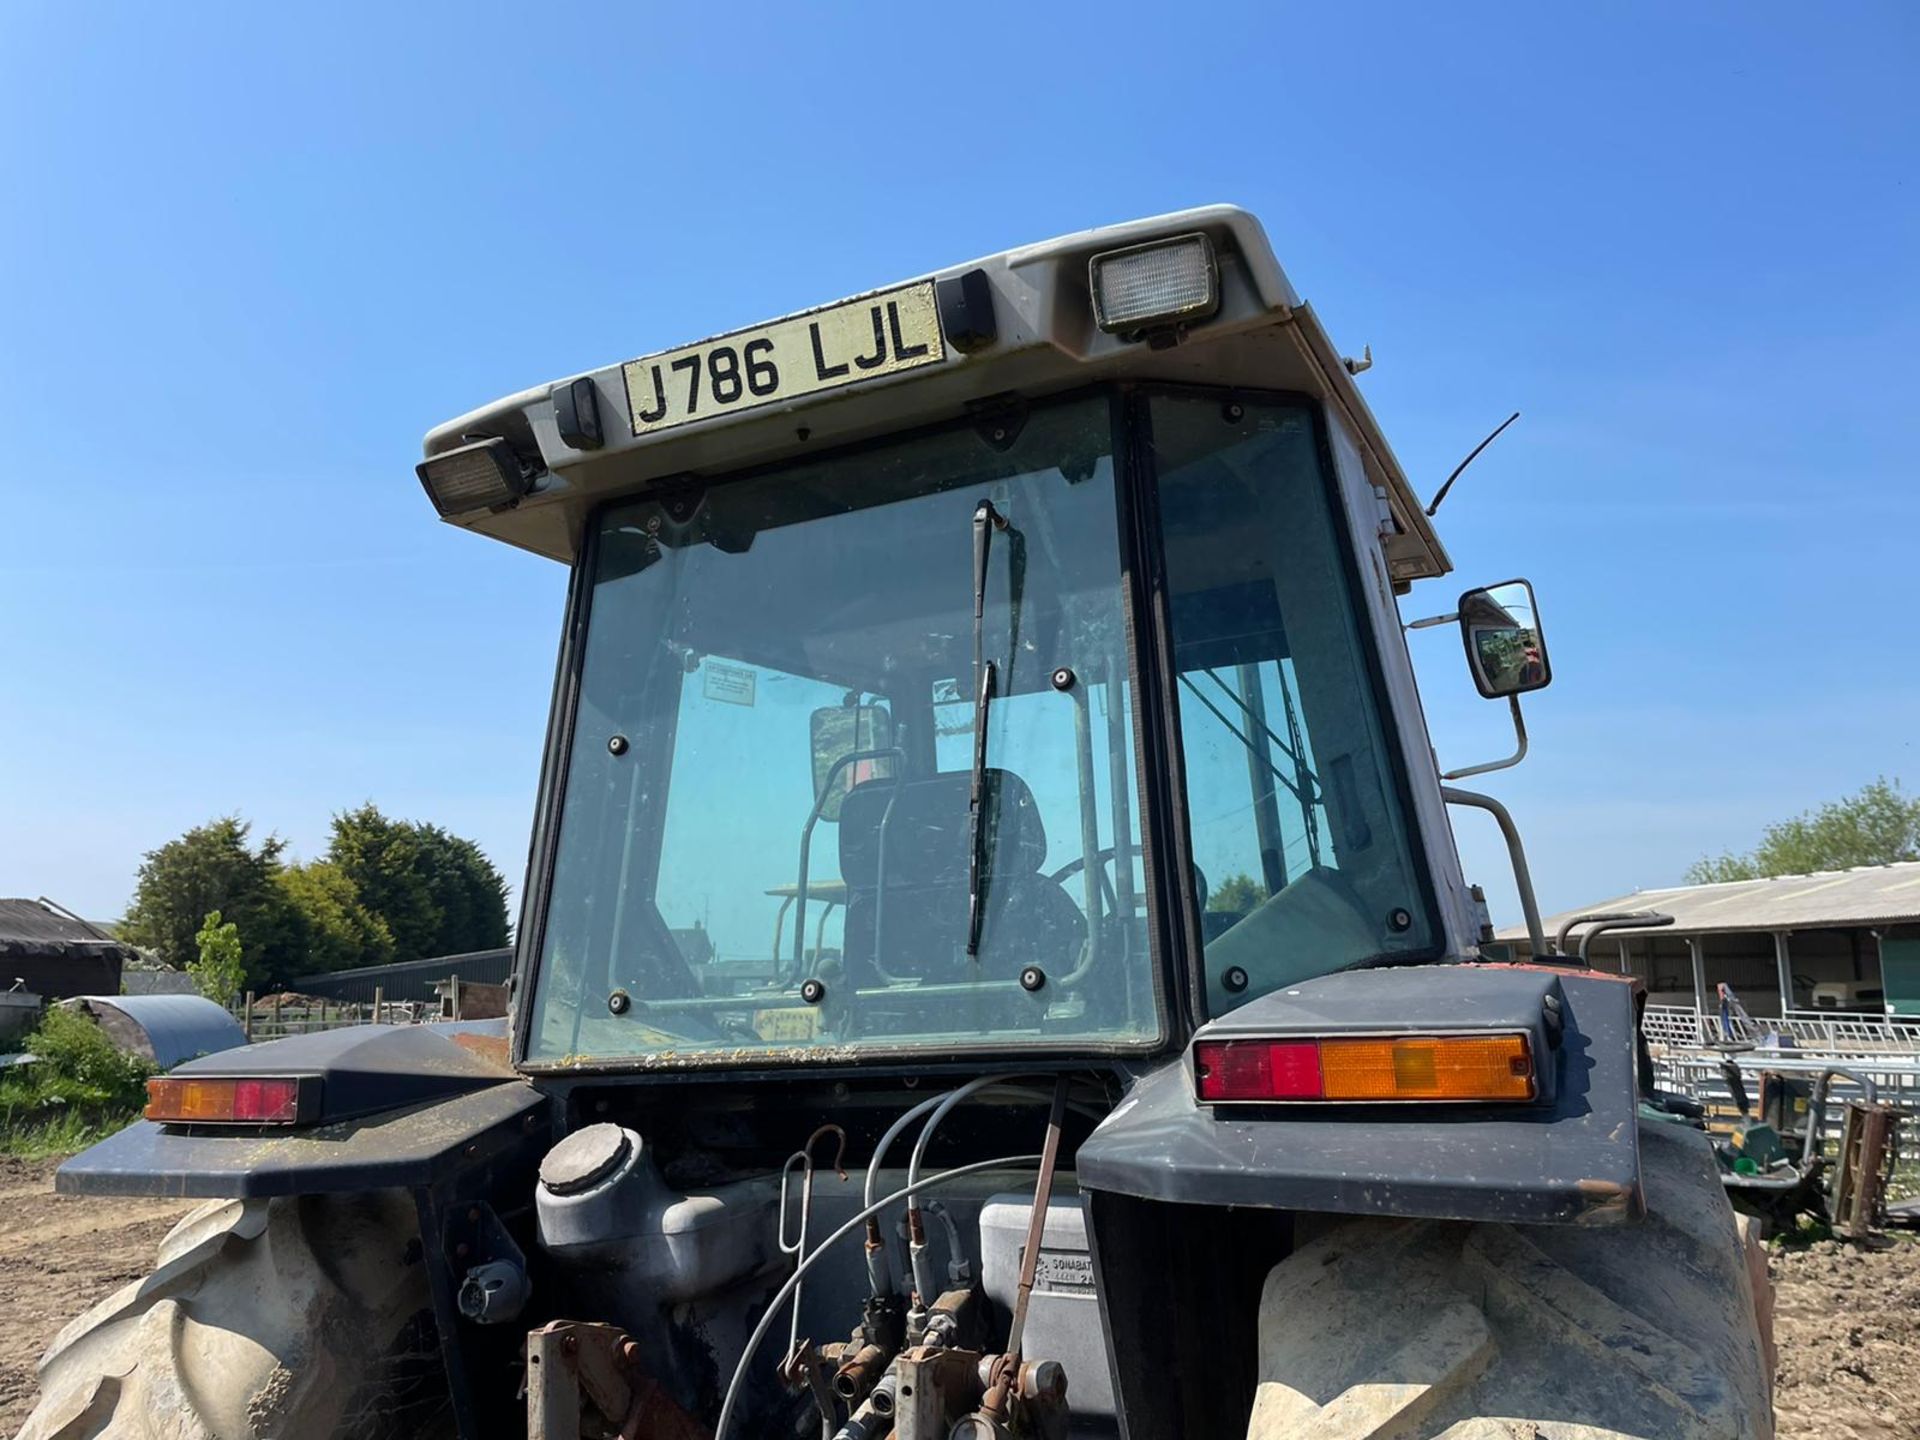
585, 1158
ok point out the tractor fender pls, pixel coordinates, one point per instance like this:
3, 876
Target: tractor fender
1571, 1157
403, 1107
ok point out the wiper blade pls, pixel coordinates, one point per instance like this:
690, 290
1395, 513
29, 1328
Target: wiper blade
986, 520
976, 804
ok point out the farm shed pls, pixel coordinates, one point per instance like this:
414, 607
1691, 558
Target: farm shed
50, 951
1833, 943
408, 980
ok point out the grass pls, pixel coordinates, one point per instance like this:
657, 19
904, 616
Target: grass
79, 1089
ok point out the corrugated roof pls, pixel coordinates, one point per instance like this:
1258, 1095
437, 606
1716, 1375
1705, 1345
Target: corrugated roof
1872, 895
40, 927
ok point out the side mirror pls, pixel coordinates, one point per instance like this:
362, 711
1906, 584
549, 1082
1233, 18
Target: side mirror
1505, 649
841, 730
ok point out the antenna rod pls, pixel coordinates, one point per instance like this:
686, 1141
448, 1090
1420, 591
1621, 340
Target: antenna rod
1468, 461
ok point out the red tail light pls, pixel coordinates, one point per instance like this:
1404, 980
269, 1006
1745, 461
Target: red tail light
220, 1100
1363, 1068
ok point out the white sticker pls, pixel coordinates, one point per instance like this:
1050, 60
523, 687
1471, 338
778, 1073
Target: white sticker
729, 684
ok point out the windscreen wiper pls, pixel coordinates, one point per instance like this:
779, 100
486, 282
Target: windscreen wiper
986, 520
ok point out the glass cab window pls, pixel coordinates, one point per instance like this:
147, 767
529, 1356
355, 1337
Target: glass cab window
1303, 863
769, 843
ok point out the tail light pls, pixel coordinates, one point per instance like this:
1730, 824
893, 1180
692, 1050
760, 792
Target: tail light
1371, 1068
235, 1100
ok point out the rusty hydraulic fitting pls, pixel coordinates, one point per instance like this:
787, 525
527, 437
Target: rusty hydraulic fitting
1000, 1378
860, 1374
1043, 1382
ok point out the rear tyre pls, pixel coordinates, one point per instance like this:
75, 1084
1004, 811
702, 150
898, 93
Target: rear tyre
291, 1318
1442, 1330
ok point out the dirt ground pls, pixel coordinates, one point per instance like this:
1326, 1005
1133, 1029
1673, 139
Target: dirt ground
58, 1255
1847, 1324
1846, 1320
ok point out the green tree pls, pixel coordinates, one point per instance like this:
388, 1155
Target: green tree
219, 969
216, 867
470, 893
341, 931
1877, 825
383, 861
1237, 894
436, 893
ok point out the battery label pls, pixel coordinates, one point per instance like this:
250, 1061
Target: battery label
1067, 1272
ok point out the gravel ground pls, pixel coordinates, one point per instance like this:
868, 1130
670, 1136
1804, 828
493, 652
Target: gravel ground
1846, 1318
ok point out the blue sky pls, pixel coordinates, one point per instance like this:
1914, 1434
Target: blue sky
249, 254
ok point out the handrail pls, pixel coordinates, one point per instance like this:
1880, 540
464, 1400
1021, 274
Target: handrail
1516, 852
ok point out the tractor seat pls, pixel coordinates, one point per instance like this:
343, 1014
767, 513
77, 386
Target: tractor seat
915, 905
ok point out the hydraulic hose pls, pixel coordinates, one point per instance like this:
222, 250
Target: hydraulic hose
923, 1284
879, 1274
774, 1306
945, 1104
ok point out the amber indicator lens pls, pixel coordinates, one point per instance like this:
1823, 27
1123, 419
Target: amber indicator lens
177, 1100
1424, 1067
1455, 1067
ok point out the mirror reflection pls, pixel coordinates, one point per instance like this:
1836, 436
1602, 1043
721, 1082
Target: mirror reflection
1505, 647
846, 741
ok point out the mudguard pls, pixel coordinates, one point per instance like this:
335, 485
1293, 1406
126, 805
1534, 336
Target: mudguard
1190, 1207
400, 1107
1572, 1157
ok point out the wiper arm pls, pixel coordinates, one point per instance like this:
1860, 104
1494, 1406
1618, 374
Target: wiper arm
986, 520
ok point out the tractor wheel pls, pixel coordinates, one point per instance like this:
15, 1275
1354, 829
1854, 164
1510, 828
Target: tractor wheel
1443, 1330
287, 1318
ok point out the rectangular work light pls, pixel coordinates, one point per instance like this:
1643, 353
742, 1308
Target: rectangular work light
230, 1100
1365, 1069
482, 476
1161, 283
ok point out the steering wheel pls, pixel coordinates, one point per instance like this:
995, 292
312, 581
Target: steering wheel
1101, 857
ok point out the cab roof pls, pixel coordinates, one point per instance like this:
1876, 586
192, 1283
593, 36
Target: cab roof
1045, 340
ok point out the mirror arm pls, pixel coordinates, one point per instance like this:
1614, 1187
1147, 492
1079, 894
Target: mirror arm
1520, 734
1522, 876
1433, 620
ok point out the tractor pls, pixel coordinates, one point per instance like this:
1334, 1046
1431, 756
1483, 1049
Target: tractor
994, 960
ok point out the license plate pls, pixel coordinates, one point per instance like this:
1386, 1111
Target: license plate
824, 349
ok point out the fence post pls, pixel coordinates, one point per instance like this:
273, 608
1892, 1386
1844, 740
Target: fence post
246, 1017
456, 996
379, 997
279, 999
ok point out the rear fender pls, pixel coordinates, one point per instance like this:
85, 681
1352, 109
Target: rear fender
405, 1107
1571, 1158
1190, 1207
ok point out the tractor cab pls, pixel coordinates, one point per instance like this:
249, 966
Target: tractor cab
1058, 711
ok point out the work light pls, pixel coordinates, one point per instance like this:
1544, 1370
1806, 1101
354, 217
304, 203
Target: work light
482, 476
1164, 282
